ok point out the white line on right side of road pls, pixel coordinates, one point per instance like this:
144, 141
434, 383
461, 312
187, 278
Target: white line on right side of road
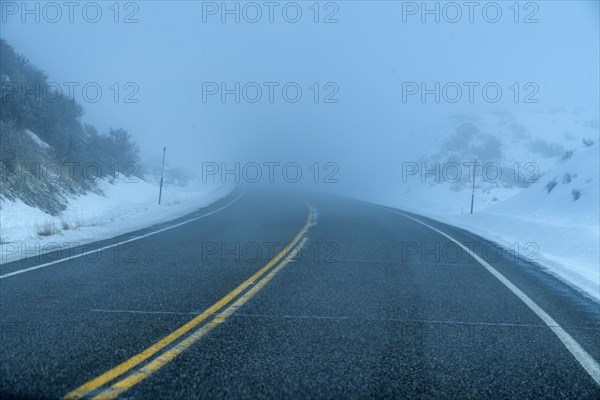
587, 362
22, 271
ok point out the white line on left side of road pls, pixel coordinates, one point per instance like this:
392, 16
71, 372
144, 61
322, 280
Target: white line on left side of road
585, 360
22, 271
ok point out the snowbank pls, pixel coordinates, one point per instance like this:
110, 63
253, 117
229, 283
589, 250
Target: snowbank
554, 221
121, 206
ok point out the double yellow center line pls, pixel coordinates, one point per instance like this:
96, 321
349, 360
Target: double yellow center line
99, 387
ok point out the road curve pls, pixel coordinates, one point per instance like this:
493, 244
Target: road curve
274, 295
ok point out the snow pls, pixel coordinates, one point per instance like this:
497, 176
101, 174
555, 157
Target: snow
121, 206
551, 227
559, 232
565, 231
37, 139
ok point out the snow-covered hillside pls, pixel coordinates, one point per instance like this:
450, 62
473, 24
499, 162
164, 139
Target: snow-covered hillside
554, 221
553, 216
45, 201
118, 206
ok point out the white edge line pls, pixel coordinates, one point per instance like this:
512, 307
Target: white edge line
587, 362
22, 271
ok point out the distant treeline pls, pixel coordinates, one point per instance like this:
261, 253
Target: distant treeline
77, 153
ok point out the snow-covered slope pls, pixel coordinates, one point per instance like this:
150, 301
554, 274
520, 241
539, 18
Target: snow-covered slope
555, 196
119, 206
553, 216
513, 151
557, 226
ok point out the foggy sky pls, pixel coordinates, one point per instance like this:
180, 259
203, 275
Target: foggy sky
368, 54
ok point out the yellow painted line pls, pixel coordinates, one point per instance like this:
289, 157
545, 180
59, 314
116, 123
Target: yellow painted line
144, 372
127, 365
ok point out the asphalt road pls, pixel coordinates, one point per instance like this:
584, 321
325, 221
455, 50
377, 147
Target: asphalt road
269, 295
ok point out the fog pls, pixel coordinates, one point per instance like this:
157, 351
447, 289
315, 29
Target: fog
365, 58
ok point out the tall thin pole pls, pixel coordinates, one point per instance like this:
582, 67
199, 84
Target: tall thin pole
162, 171
473, 190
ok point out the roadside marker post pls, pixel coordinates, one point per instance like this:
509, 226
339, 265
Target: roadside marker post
473, 190
162, 170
